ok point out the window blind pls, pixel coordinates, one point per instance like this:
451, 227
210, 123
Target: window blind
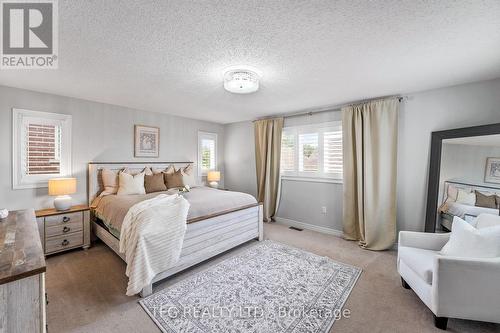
332, 152
288, 151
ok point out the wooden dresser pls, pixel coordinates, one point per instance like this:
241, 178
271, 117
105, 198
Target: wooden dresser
22, 274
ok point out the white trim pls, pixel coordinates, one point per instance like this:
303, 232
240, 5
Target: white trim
23, 182
312, 179
208, 135
302, 225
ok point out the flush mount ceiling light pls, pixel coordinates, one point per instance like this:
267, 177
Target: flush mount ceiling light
241, 81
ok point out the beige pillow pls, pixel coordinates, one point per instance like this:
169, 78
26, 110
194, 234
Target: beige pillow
151, 171
109, 182
466, 197
174, 180
154, 183
188, 176
148, 171
169, 170
452, 193
486, 200
131, 184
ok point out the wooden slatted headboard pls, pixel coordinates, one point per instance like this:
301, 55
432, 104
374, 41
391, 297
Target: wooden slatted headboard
94, 172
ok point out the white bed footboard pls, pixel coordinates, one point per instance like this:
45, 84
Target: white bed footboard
204, 239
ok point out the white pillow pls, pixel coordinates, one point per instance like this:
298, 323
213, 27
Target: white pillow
469, 242
188, 176
466, 197
487, 220
131, 184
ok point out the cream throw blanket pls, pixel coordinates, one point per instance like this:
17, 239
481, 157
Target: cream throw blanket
151, 238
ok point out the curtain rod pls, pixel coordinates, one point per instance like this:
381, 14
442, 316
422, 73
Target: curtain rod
330, 108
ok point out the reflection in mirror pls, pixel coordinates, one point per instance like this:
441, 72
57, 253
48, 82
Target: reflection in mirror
469, 182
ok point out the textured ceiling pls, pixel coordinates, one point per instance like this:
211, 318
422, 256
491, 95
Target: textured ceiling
169, 56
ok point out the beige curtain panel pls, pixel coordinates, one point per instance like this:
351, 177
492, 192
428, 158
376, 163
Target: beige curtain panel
267, 158
370, 135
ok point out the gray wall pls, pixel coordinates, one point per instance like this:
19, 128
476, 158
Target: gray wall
466, 162
424, 112
100, 132
239, 156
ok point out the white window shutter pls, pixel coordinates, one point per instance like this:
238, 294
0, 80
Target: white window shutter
332, 152
288, 148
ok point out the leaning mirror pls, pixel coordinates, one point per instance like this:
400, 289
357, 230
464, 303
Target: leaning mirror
464, 176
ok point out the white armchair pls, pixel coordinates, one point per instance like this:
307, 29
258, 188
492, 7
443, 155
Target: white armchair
451, 287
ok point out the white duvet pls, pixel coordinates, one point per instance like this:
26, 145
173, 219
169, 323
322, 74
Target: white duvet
151, 237
461, 210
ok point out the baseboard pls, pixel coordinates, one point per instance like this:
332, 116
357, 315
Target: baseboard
302, 225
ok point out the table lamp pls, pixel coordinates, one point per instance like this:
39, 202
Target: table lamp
213, 178
61, 188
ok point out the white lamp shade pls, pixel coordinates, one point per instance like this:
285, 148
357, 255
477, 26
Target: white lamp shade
213, 176
62, 186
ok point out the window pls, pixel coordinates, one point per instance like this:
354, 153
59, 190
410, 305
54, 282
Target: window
41, 147
313, 151
207, 152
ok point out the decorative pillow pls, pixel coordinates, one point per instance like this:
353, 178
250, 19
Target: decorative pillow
174, 180
498, 200
188, 176
148, 172
486, 200
452, 193
109, 182
154, 183
169, 170
466, 197
131, 184
469, 242
134, 171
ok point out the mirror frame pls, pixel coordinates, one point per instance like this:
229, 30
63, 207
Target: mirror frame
435, 164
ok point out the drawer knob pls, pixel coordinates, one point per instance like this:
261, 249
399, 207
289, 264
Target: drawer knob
65, 242
66, 219
66, 229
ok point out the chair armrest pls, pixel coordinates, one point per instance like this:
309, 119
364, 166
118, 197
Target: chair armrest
466, 288
423, 240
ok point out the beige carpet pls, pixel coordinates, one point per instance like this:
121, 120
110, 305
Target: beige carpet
86, 290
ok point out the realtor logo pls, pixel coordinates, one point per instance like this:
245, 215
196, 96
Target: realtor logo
29, 34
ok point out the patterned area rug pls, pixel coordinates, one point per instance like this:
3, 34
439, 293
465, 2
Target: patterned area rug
271, 287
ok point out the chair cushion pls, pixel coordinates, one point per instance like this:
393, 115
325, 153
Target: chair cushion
419, 260
469, 242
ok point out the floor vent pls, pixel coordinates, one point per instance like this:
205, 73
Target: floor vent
296, 229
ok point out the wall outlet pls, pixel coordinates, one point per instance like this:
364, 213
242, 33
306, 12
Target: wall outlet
323, 210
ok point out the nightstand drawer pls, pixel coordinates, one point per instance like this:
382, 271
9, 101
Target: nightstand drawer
63, 219
59, 243
63, 228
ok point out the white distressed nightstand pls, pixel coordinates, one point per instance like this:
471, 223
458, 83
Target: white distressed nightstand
64, 230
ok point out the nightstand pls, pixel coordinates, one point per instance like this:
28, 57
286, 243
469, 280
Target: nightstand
64, 230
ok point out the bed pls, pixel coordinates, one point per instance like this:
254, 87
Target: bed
218, 220
449, 208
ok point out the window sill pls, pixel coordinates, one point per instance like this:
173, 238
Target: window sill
312, 179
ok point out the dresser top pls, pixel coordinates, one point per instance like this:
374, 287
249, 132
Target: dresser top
53, 211
21, 253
